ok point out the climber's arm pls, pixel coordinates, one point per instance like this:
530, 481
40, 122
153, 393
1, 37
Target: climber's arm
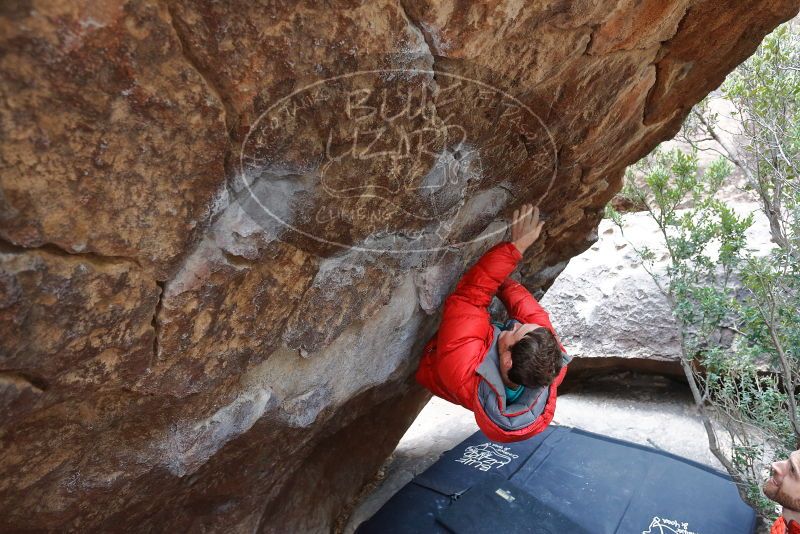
519, 302
465, 317
464, 333
521, 305
479, 284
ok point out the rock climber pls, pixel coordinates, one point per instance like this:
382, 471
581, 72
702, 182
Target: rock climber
783, 487
507, 374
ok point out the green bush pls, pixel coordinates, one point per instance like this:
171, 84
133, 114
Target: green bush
744, 387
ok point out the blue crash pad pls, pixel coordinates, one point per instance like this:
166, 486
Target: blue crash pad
564, 480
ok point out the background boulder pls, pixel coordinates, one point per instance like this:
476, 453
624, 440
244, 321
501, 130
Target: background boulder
608, 310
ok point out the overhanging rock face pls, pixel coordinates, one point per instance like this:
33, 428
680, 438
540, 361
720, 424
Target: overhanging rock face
227, 228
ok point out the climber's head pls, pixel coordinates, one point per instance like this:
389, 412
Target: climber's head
783, 487
529, 355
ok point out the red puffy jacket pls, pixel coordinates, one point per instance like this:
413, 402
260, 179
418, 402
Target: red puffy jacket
452, 356
780, 527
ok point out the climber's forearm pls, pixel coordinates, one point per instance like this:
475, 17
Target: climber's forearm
521, 304
480, 283
521, 246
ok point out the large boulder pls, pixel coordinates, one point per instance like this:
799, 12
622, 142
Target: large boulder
606, 306
608, 310
227, 227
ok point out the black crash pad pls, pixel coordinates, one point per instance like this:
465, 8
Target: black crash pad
478, 509
564, 480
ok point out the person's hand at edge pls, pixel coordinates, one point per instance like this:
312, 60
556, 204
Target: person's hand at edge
526, 227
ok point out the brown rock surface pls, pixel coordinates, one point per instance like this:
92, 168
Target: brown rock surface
226, 227
101, 116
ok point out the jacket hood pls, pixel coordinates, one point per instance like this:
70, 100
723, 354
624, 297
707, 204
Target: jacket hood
492, 392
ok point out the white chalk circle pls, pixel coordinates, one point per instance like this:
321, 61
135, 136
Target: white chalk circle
389, 160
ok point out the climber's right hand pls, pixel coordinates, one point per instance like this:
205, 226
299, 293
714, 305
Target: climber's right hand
525, 227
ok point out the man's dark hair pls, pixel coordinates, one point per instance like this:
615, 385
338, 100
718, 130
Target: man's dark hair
535, 359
